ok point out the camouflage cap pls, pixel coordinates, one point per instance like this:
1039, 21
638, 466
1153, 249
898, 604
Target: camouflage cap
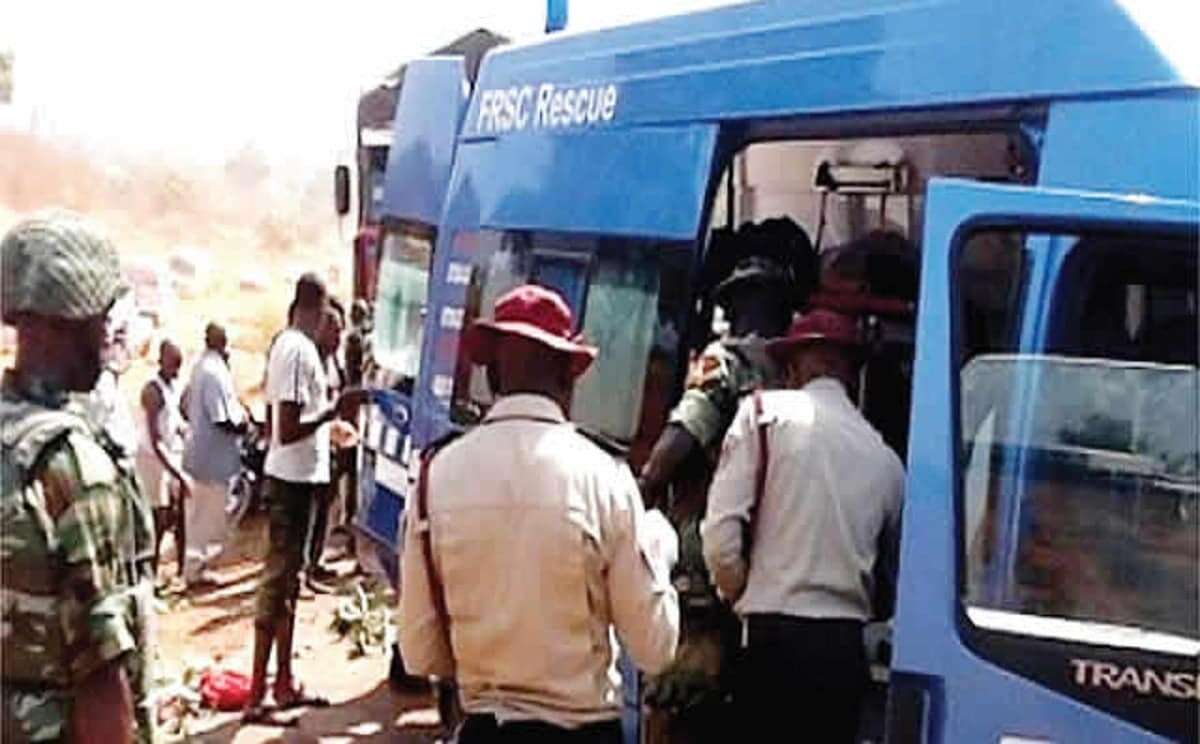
761, 269
56, 264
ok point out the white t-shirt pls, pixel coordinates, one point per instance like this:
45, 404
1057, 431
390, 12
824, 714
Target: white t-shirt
295, 374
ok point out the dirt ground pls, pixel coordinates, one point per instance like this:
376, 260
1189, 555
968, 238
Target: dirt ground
215, 626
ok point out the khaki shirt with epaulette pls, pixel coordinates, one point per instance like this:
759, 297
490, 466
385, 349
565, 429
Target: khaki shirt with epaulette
75, 557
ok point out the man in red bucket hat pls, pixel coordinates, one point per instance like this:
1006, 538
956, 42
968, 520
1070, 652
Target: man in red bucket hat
527, 544
530, 313
805, 494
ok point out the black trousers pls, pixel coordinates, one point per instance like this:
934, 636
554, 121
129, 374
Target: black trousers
802, 679
483, 729
315, 546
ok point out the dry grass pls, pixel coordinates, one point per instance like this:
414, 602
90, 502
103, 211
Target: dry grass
268, 228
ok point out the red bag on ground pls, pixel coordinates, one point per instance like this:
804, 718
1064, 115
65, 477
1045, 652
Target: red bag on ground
224, 690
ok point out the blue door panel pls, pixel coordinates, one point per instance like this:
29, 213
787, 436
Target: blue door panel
383, 477
975, 700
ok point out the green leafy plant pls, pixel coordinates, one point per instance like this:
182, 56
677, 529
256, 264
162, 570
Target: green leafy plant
178, 700
363, 617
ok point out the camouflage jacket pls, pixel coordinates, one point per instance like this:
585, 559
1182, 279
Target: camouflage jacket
74, 565
726, 371
717, 380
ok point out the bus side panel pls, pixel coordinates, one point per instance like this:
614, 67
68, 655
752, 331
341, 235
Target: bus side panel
647, 183
428, 114
1147, 145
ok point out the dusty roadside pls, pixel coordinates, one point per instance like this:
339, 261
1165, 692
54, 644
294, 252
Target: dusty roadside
216, 626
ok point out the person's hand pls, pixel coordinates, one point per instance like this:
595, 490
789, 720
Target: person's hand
342, 434
692, 679
185, 486
350, 401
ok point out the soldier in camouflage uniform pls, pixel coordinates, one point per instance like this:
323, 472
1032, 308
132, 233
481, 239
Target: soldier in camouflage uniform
689, 702
77, 544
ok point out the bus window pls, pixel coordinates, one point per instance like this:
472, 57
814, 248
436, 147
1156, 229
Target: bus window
629, 299
1080, 461
400, 304
634, 322
373, 166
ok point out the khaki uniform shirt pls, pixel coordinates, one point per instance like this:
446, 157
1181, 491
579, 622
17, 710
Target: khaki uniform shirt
75, 559
832, 489
544, 549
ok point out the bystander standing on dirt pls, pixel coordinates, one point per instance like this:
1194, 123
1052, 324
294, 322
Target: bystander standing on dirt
160, 451
329, 341
297, 467
212, 454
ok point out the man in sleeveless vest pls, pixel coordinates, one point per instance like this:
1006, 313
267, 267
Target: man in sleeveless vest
76, 554
529, 547
160, 454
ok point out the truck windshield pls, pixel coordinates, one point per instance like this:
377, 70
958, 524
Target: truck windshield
400, 302
1080, 458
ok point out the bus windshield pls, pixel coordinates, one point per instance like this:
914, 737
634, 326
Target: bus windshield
400, 303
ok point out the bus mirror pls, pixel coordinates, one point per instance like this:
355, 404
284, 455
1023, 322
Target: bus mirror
341, 190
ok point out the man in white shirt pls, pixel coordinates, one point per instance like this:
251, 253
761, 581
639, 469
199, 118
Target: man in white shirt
211, 455
805, 498
528, 552
297, 468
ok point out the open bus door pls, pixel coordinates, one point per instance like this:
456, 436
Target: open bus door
1048, 588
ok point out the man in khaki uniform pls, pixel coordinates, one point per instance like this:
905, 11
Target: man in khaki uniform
528, 551
78, 543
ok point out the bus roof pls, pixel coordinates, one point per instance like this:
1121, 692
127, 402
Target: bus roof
786, 59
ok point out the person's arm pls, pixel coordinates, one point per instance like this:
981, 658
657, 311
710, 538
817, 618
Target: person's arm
887, 561
293, 427
730, 499
152, 403
184, 403
674, 446
289, 390
221, 405
645, 607
89, 512
423, 641
697, 422
102, 707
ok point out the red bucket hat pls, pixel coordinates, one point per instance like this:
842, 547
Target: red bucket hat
536, 313
817, 325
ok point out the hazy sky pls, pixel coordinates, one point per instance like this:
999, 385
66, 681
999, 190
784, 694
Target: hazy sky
199, 80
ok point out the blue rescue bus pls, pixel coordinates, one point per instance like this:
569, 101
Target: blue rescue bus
1042, 159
